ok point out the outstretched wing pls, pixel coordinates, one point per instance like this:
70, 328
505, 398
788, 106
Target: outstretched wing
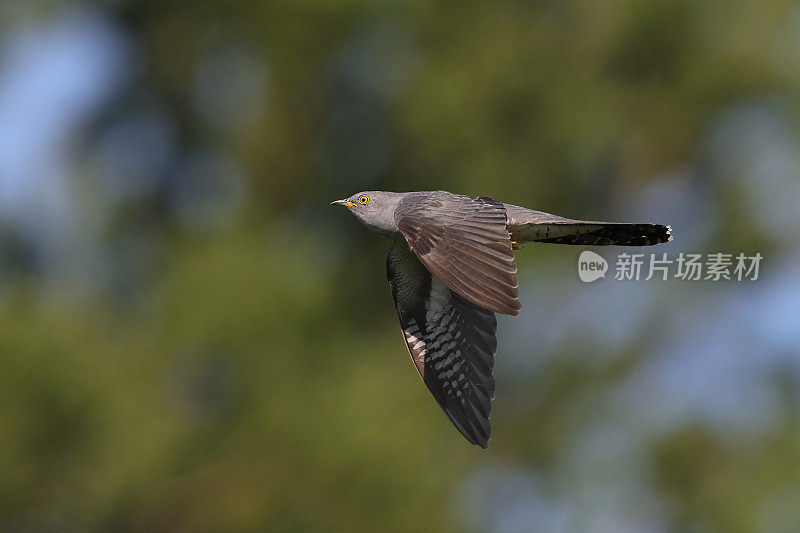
464, 243
451, 341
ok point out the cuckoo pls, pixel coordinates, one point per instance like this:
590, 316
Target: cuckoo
451, 268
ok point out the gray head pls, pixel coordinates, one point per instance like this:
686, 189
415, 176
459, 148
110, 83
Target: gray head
375, 209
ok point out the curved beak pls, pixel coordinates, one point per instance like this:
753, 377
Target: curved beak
345, 203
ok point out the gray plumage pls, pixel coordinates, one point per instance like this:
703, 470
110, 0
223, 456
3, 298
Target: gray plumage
451, 267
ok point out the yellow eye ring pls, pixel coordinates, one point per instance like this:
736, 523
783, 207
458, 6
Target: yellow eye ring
363, 199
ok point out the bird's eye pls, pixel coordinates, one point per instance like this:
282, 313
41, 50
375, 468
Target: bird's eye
363, 199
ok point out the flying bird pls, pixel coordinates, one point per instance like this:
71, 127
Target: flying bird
451, 268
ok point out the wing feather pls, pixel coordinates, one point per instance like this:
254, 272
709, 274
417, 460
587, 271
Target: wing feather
464, 243
451, 341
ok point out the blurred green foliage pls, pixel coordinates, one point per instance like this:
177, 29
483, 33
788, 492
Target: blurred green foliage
255, 378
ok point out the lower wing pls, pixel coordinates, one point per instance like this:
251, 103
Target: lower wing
451, 341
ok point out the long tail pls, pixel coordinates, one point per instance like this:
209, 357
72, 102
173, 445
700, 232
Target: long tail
604, 234
526, 225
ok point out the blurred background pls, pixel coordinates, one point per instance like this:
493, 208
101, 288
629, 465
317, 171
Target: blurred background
191, 339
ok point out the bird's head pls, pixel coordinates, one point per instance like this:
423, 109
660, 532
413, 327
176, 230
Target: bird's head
375, 209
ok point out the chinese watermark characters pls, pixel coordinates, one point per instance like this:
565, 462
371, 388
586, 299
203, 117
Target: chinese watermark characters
716, 266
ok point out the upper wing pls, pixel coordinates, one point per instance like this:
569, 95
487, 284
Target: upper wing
464, 242
527, 225
451, 341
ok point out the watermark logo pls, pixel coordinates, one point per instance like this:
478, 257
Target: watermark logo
591, 266
689, 267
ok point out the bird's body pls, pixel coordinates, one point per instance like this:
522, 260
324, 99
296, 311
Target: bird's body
451, 268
